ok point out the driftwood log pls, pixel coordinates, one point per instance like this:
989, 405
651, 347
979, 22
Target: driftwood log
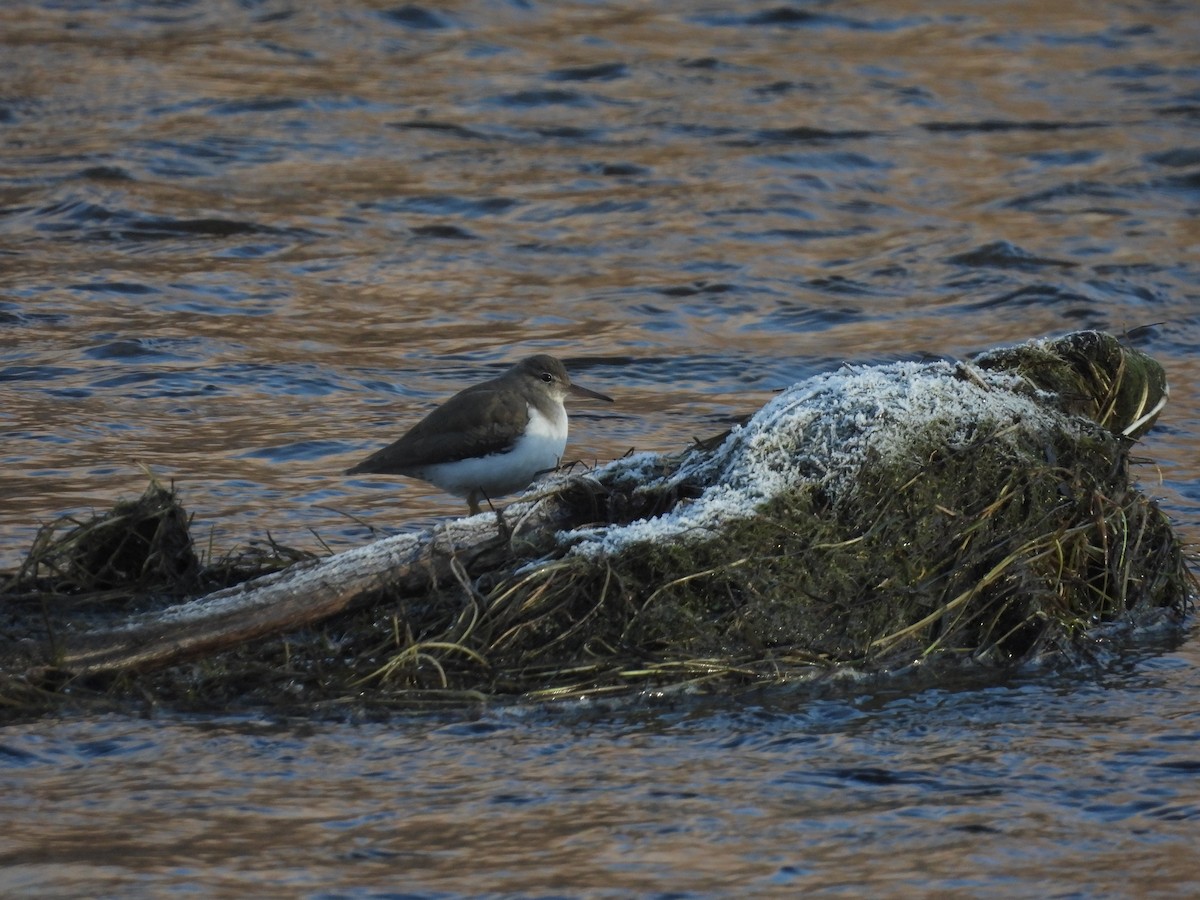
300, 595
865, 520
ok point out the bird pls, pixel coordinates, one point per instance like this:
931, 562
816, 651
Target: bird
490, 439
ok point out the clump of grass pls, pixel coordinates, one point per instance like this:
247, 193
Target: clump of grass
140, 546
971, 553
1091, 374
140, 550
984, 550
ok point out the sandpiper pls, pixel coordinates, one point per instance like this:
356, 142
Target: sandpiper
492, 438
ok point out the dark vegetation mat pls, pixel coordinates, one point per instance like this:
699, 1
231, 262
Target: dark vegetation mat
1010, 543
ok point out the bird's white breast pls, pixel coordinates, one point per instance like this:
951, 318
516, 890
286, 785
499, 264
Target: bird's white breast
540, 448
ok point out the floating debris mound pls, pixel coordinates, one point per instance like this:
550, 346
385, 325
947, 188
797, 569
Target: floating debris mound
135, 557
868, 520
139, 545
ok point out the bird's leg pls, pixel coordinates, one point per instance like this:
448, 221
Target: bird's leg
473, 501
502, 529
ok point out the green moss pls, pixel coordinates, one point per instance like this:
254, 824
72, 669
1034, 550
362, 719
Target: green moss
1093, 375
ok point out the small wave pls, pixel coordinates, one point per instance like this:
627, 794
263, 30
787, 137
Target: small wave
444, 232
257, 105
41, 374
416, 18
133, 349
445, 205
1003, 255
296, 451
542, 97
987, 126
125, 288
802, 134
1045, 200
92, 221
104, 173
785, 17
450, 128
1032, 295
600, 72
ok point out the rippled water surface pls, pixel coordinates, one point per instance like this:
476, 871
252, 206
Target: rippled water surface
1035, 789
244, 243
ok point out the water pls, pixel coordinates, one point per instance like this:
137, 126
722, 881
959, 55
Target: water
1033, 788
245, 243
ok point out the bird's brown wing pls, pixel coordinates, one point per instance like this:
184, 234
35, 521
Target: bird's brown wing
452, 432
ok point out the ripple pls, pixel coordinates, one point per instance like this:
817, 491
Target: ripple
445, 205
840, 161
599, 208
257, 105
987, 126
209, 154
1003, 255
1180, 157
842, 286
542, 97
1064, 157
1032, 295
803, 317
417, 18
449, 128
40, 374
136, 349
800, 134
784, 17
444, 232
598, 72
691, 290
808, 234
1189, 182
614, 170
95, 222
569, 133
220, 299
104, 173
1046, 200
309, 450
124, 288
141, 228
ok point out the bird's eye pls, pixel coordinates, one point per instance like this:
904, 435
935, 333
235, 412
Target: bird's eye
547, 377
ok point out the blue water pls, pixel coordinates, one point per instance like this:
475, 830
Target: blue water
1036, 787
243, 244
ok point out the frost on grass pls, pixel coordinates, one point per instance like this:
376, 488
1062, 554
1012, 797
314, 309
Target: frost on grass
819, 434
875, 518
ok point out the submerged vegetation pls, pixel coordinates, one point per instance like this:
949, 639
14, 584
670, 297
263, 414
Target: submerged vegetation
867, 521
